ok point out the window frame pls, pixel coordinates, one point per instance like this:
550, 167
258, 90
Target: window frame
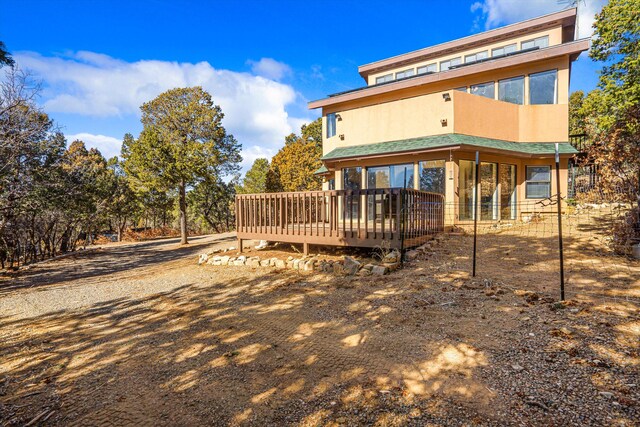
444, 174
386, 78
534, 41
523, 89
426, 68
528, 181
450, 61
504, 49
404, 75
331, 125
475, 56
555, 89
484, 84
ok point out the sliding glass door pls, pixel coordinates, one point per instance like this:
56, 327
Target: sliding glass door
508, 183
497, 202
488, 191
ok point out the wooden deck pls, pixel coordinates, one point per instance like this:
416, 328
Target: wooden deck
364, 218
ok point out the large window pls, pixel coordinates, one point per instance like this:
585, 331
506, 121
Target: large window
384, 79
543, 87
484, 89
405, 73
331, 125
538, 185
466, 186
394, 176
445, 65
508, 185
432, 176
511, 90
352, 180
539, 42
488, 191
476, 57
431, 68
510, 48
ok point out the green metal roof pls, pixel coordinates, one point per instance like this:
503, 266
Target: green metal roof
322, 169
448, 140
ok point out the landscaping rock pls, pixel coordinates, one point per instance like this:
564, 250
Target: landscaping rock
253, 262
411, 255
391, 257
279, 263
224, 260
265, 263
392, 266
364, 272
238, 262
351, 265
379, 270
296, 264
203, 258
338, 268
310, 264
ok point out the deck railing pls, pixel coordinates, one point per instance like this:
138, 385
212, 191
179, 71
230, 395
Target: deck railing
341, 217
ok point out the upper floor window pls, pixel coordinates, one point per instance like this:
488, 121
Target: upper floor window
331, 125
499, 51
384, 79
461, 89
488, 90
431, 68
539, 42
476, 57
511, 90
543, 87
445, 65
405, 73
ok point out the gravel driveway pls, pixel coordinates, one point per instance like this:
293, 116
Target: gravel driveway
140, 335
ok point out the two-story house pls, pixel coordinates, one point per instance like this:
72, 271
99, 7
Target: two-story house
399, 153
422, 116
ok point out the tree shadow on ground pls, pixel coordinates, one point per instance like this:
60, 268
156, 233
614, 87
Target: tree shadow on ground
274, 348
134, 259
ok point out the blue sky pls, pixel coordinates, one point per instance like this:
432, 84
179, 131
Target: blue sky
262, 61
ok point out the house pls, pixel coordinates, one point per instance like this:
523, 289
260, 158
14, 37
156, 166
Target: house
419, 120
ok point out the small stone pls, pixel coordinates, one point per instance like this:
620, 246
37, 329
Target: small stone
310, 264
203, 258
279, 263
411, 255
265, 263
364, 272
351, 266
296, 264
393, 266
391, 257
517, 368
379, 270
338, 268
224, 260
606, 394
368, 267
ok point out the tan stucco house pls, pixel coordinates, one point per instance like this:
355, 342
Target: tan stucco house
399, 152
422, 116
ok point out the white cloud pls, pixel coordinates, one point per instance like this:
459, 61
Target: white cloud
89, 84
108, 145
494, 13
269, 68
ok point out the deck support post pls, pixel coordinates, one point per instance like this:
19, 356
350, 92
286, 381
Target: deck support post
305, 248
240, 245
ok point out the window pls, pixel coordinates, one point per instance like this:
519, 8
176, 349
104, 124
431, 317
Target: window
384, 79
332, 184
431, 68
394, 176
508, 185
432, 176
538, 42
538, 185
331, 125
484, 89
352, 180
466, 189
461, 89
488, 191
543, 88
500, 51
445, 65
476, 57
511, 90
405, 73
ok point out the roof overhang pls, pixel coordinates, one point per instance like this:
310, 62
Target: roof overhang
565, 18
573, 49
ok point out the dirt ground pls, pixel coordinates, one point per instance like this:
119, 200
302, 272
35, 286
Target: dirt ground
139, 334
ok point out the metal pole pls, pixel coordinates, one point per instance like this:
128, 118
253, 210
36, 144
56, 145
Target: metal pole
476, 200
560, 223
402, 213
